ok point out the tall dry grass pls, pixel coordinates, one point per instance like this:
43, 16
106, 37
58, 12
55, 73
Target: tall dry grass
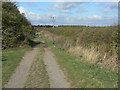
91, 54
95, 57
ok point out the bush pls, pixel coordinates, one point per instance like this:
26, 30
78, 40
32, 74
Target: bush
16, 28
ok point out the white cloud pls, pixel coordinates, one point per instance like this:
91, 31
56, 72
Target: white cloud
33, 16
68, 19
113, 5
95, 17
31, 13
82, 10
106, 10
108, 7
41, 9
66, 7
65, 19
22, 10
39, 18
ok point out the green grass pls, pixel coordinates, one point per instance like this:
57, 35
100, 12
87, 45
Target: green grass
47, 41
38, 77
10, 60
81, 74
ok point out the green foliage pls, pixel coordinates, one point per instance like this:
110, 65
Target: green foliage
104, 38
16, 28
115, 38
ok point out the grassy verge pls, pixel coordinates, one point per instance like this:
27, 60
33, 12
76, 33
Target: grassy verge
11, 59
81, 74
38, 77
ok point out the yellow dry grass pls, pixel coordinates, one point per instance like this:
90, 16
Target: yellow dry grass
89, 54
94, 57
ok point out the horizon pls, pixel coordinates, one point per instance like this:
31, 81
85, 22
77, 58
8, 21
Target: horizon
71, 13
75, 25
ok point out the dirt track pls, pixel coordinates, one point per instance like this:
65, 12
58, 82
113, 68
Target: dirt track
19, 77
56, 76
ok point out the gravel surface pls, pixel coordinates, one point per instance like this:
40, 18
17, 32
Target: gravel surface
56, 76
19, 76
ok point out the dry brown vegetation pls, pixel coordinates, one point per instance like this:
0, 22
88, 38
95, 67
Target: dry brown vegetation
97, 45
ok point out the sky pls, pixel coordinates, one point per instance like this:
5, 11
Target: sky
70, 13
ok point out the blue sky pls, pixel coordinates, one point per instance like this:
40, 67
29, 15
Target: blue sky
71, 13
